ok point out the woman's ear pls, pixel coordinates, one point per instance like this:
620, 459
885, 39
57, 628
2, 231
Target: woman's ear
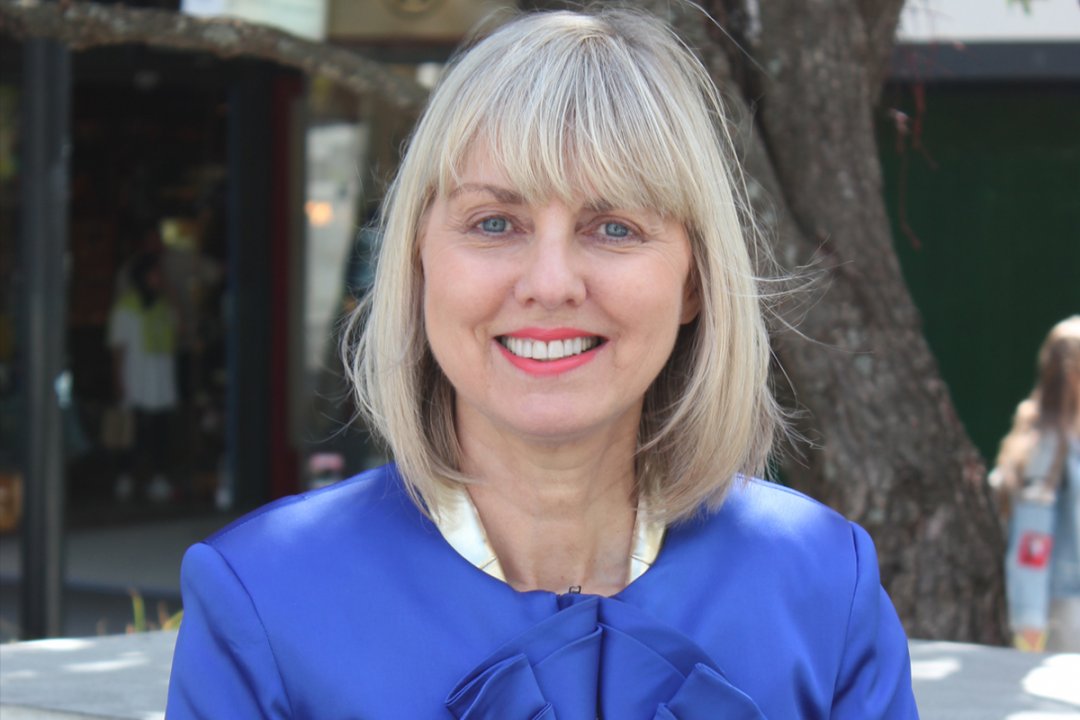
691, 304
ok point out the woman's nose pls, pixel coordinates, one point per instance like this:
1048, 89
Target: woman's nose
551, 274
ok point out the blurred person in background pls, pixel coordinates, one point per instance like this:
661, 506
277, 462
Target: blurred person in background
1037, 485
142, 334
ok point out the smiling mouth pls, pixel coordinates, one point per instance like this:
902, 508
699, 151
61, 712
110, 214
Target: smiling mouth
548, 351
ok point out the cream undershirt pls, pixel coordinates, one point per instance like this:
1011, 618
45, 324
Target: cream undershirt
460, 525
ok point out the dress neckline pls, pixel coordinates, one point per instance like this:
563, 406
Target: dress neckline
459, 523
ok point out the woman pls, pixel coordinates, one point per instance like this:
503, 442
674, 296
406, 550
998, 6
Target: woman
565, 351
1037, 483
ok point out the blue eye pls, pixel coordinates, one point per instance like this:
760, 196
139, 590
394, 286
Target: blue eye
494, 225
616, 230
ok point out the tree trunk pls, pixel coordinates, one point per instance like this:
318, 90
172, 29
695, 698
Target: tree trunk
888, 449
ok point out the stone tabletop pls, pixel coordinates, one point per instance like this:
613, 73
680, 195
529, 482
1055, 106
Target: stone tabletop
125, 677
113, 676
956, 681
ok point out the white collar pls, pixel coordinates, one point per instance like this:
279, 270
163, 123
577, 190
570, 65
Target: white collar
460, 525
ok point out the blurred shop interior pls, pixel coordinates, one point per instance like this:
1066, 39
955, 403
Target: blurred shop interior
260, 225
252, 184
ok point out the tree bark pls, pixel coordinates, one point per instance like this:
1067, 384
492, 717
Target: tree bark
889, 450
801, 78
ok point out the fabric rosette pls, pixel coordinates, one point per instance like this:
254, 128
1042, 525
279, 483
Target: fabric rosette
598, 657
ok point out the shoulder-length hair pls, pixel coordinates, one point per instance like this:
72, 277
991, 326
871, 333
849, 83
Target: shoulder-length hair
609, 105
1048, 417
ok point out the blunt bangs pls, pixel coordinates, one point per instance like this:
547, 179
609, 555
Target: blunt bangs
571, 115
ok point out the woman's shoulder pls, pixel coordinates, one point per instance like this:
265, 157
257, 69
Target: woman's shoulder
775, 535
350, 509
760, 508
809, 533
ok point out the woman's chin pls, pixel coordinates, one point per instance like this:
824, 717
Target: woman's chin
556, 426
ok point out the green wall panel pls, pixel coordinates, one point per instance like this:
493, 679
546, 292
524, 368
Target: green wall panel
995, 205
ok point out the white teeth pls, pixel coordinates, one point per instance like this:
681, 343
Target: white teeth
554, 350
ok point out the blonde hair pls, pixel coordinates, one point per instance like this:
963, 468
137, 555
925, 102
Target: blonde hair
611, 104
1051, 412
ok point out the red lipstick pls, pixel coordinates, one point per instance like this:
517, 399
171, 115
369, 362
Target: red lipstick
548, 368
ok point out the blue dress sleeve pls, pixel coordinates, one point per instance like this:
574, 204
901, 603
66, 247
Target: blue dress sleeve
875, 674
223, 666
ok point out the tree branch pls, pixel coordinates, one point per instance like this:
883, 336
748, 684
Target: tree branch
85, 25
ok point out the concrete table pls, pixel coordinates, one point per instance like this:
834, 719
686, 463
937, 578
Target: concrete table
125, 677
112, 676
955, 681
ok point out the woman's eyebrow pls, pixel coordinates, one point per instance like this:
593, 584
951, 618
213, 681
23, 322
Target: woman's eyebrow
499, 193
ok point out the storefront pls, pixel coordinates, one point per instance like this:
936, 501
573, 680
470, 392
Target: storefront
169, 155
250, 182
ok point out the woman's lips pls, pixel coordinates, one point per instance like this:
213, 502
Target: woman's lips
549, 351
534, 349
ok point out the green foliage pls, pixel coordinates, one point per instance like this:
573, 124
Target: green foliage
139, 623
173, 621
138, 612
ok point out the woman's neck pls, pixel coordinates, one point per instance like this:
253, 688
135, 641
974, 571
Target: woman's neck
557, 517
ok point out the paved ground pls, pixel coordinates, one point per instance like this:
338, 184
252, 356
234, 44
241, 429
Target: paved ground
103, 565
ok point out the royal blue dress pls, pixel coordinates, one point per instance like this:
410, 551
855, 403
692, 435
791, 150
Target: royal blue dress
348, 603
